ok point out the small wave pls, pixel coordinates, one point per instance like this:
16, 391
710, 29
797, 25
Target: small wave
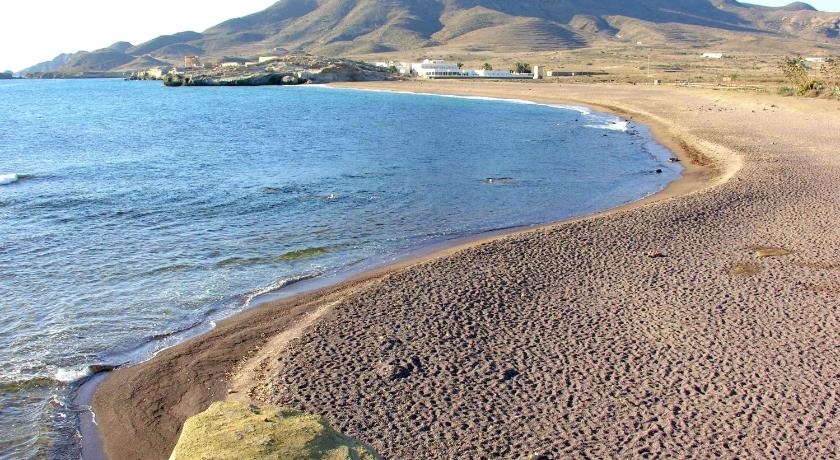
284, 189
622, 126
9, 178
306, 253
177, 330
502, 181
72, 375
170, 269
276, 286
36, 382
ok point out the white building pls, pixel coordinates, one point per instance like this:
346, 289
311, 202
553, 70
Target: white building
264, 59
492, 73
436, 68
230, 65
819, 60
714, 55
155, 72
403, 68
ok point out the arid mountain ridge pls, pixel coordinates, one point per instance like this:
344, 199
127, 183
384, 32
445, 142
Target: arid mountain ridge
426, 27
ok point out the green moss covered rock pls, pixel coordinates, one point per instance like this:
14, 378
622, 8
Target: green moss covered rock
234, 430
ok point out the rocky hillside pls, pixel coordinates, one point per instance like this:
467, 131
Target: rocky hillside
365, 27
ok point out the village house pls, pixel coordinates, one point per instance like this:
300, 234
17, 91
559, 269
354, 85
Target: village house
192, 62
403, 68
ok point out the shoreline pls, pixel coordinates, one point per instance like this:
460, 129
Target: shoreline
246, 341
693, 178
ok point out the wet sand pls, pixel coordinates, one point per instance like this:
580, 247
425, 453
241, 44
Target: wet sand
653, 329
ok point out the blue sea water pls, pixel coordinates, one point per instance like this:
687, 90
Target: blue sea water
130, 212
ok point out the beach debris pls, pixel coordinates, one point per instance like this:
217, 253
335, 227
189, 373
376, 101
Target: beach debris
501, 181
656, 254
509, 374
762, 252
674, 160
746, 269
97, 368
233, 430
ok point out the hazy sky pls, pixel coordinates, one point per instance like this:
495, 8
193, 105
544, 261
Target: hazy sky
32, 31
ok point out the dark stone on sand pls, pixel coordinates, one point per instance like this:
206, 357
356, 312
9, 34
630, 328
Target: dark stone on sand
509, 374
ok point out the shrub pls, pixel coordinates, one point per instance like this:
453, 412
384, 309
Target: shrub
832, 76
787, 91
796, 72
521, 67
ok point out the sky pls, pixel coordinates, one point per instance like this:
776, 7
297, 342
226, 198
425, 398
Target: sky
32, 31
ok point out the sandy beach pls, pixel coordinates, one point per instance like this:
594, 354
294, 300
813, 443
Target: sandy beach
700, 323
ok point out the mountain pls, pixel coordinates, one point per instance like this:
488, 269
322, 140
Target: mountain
365, 27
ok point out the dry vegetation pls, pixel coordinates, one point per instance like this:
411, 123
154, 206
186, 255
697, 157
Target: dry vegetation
810, 79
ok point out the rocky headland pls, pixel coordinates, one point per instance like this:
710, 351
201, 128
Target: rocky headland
294, 69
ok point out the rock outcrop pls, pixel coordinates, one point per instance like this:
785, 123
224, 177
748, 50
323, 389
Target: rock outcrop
234, 430
292, 69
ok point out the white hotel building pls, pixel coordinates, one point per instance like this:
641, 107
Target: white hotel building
434, 69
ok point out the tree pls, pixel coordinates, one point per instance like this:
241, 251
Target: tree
393, 69
522, 67
486, 66
460, 65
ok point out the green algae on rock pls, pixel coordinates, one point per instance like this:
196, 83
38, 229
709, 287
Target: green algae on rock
235, 430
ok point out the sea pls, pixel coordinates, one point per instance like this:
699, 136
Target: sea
133, 216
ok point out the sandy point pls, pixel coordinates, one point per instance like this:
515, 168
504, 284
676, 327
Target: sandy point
701, 322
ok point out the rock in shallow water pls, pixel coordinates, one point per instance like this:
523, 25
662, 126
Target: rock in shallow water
234, 430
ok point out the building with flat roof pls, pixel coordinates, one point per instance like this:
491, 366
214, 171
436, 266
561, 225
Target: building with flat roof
436, 68
192, 62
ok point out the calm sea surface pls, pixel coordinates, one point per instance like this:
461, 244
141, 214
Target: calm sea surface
132, 215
